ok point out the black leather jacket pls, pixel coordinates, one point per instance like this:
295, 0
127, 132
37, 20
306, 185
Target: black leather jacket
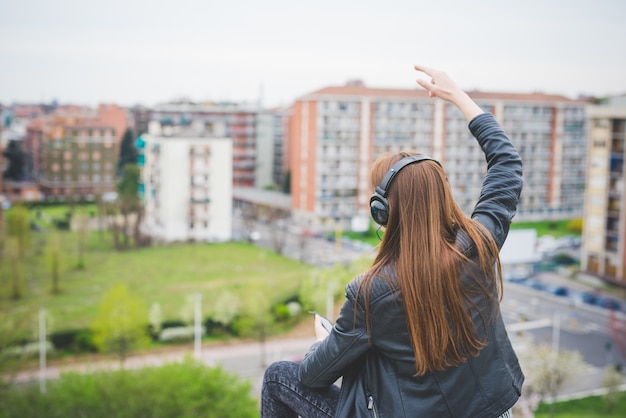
378, 370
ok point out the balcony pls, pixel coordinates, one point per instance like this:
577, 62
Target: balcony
199, 199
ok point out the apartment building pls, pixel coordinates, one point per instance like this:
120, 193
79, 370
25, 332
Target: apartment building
187, 187
337, 132
604, 251
249, 127
74, 152
280, 162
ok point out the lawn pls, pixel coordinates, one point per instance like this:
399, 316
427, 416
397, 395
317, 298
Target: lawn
554, 228
592, 407
167, 275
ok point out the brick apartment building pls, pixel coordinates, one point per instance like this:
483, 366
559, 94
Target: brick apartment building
337, 132
73, 152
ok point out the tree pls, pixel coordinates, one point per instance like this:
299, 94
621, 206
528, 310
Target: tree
546, 370
128, 151
287, 183
279, 218
618, 332
16, 160
256, 317
155, 319
225, 308
13, 332
325, 284
82, 230
54, 258
249, 216
612, 380
130, 207
120, 324
17, 246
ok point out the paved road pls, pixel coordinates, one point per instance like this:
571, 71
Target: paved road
247, 360
557, 321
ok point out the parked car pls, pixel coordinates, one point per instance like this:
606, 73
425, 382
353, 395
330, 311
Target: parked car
584, 297
557, 290
534, 284
608, 303
516, 279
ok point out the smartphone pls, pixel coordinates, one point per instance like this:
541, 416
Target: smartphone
328, 326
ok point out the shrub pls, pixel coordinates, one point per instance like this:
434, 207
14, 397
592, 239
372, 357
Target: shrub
174, 390
575, 225
75, 340
83, 342
213, 327
282, 312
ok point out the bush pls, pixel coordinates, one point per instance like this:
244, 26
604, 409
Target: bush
76, 340
575, 225
213, 327
174, 390
282, 312
83, 342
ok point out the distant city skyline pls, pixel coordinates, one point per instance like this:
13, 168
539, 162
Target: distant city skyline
148, 52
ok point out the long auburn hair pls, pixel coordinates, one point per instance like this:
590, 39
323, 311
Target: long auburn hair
419, 244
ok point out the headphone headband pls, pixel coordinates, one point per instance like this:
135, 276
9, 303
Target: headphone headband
379, 207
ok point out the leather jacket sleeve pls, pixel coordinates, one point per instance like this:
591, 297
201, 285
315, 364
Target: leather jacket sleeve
329, 359
503, 183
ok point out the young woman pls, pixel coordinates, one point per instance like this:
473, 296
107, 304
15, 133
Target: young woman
420, 333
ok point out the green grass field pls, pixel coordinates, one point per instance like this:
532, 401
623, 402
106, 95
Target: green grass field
167, 275
591, 407
554, 228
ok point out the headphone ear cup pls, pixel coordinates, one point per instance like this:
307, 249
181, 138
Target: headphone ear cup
379, 209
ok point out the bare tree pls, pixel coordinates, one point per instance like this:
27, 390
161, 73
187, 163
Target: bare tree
546, 370
54, 256
618, 332
612, 380
249, 215
279, 219
82, 231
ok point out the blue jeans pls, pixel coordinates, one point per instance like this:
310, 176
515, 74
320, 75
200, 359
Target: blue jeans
283, 396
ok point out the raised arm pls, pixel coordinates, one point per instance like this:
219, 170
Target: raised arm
502, 185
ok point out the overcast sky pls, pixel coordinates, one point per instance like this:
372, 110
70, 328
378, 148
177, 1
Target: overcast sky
150, 51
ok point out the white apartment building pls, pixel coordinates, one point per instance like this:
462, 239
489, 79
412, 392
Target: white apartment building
336, 133
187, 183
603, 245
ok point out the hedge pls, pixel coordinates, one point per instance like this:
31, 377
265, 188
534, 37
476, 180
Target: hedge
187, 389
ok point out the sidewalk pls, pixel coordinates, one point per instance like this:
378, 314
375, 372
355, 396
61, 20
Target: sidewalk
248, 359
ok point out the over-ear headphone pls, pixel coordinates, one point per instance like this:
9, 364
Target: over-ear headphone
379, 207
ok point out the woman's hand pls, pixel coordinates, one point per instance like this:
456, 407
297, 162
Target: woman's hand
442, 86
320, 331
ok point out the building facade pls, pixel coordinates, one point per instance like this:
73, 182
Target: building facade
187, 188
336, 133
604, 232
247, 126
75, 155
